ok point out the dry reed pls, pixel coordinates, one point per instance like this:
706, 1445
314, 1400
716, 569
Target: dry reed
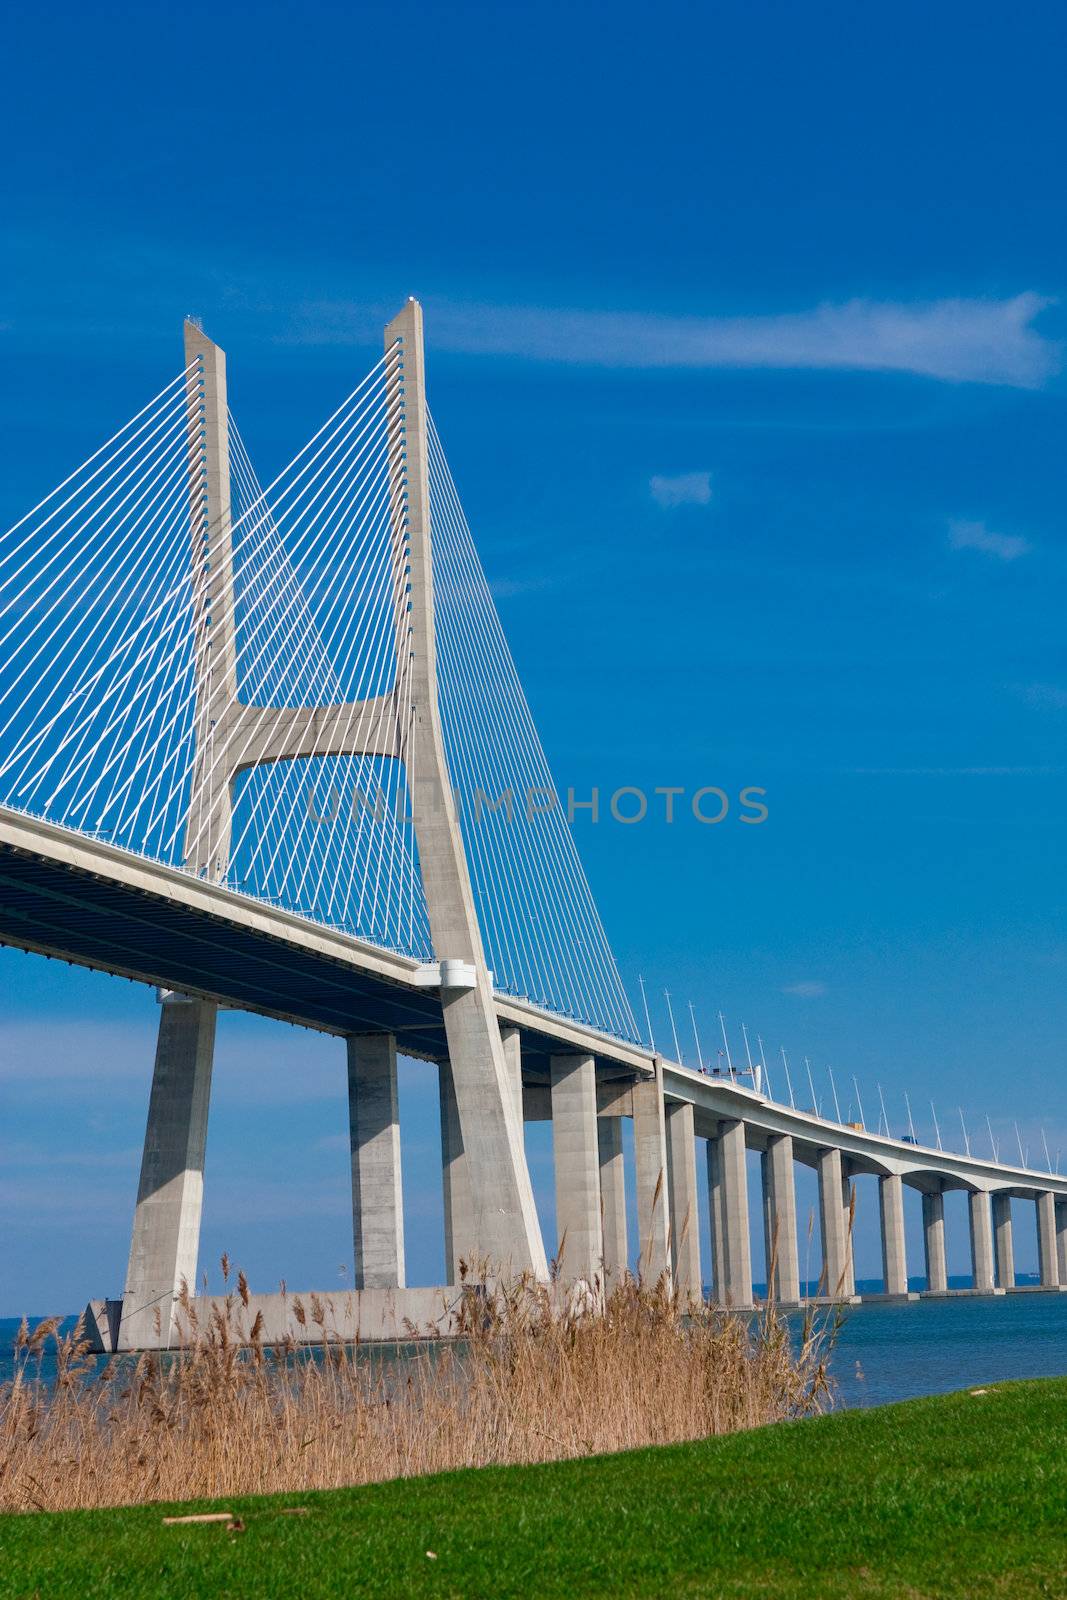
530, 1379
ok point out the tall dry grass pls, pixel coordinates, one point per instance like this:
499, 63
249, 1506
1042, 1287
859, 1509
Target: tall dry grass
528, 1381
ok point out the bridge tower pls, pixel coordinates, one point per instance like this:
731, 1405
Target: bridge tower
489, 1197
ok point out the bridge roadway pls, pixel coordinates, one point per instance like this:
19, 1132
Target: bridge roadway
87, 901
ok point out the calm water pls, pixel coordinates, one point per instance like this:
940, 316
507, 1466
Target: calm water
892, 1352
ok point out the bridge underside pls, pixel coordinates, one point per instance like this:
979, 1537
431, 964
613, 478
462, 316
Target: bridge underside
60, 909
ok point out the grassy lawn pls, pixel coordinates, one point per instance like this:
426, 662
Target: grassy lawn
964, 1496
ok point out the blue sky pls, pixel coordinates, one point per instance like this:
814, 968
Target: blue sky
746, 345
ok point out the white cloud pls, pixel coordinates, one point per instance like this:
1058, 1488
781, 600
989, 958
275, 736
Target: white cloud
958, 341
805, 991
976, 536
686, 489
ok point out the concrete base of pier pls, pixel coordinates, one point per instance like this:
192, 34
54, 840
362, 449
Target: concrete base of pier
369, 1316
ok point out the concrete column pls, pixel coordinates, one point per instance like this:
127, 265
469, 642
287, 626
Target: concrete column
374, 1133
507, 1231
461, 1254
981, 1242
613, 1197
685, 1224
650, 1163
1061, 1239
735, 1285
1003, 1246
511, 1039
170, 1194
780, 1219
894, 1260
833, 1224
847, 1208
577, 1162
934, 1241
715, 1216
1048, 1263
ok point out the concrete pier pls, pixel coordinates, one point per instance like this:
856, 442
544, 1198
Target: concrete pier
1047, 1255
511, 1039
981, 1242
374, 1131
575, 1144
170, 1194
780, 1220
1061, 1239
682, 1189
729, 1216
934, 1241
847, 1210
460, 1239
1003, 1243
894, 1259
650, 1163
833, 1224
612, 1198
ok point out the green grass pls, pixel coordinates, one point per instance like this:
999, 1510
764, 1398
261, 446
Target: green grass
961, 1495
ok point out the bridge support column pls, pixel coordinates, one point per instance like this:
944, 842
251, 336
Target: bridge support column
511, 1040
612, 1197
685, 1224
1061, 1240
374, 1131
577, 1161
460, 1242
894, 1260
848, 1206
780, 1220
728, 1196
650, 1163
1048, 1264
934, 1241
507, 1231
833, 1224
1003, 1245
981, 1242
170, 1194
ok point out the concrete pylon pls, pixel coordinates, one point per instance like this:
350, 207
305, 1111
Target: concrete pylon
461, 1256
1003, 1243
780, 1220
934, 1241
894, 1260
613, 1198
374, 1133
729, 1216
170, 1194
682, 1188
650, 1164
503, 1214
833, 1223
166, 1226
1047, 1255
981, 1242
576, 1152
1061, 1240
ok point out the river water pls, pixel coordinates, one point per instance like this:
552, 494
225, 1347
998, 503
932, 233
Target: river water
894, 1352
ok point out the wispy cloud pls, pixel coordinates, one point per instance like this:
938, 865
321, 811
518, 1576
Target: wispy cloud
976, 536
958, 341
686, 489
810, 990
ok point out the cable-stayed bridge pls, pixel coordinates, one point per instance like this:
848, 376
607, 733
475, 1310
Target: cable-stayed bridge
267, 747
